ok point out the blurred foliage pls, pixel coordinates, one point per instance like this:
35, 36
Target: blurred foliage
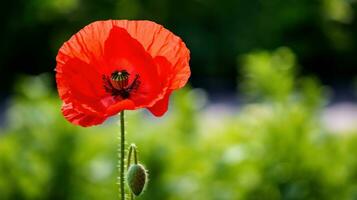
276, 69
321, 32
273, 148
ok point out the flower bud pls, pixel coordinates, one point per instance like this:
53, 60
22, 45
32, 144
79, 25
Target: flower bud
137, 178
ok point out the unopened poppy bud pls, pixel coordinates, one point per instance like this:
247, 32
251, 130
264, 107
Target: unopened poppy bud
137, 178
120, 79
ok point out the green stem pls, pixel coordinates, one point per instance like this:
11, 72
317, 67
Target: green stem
131, 150
122, 156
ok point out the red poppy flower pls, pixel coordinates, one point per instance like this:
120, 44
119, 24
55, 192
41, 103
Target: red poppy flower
116, 65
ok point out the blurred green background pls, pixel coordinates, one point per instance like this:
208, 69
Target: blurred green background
258, 120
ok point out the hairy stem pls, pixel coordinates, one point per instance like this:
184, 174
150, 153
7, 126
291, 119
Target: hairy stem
122, 156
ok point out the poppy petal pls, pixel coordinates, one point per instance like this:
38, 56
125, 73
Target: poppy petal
122, 52
77, 79
158, 41
87, 45
80, 118
80, 68
165, 70
161, 106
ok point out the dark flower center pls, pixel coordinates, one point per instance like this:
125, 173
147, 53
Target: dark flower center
118, 84
119, 79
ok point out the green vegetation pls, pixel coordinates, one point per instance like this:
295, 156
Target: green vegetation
273, 148
322, 33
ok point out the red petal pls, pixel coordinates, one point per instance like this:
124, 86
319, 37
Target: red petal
122, 52
80, 66
118, 106
161, 106
80, 118
79, 80
165, 70
158, 41
87, 45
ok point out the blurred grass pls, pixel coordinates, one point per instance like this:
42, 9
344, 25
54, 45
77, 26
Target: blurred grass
273, 148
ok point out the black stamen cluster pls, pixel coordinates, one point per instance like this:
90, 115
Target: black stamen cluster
125, 92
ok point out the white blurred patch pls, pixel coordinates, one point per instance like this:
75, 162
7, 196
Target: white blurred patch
100, 169
234, 154
340, 117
